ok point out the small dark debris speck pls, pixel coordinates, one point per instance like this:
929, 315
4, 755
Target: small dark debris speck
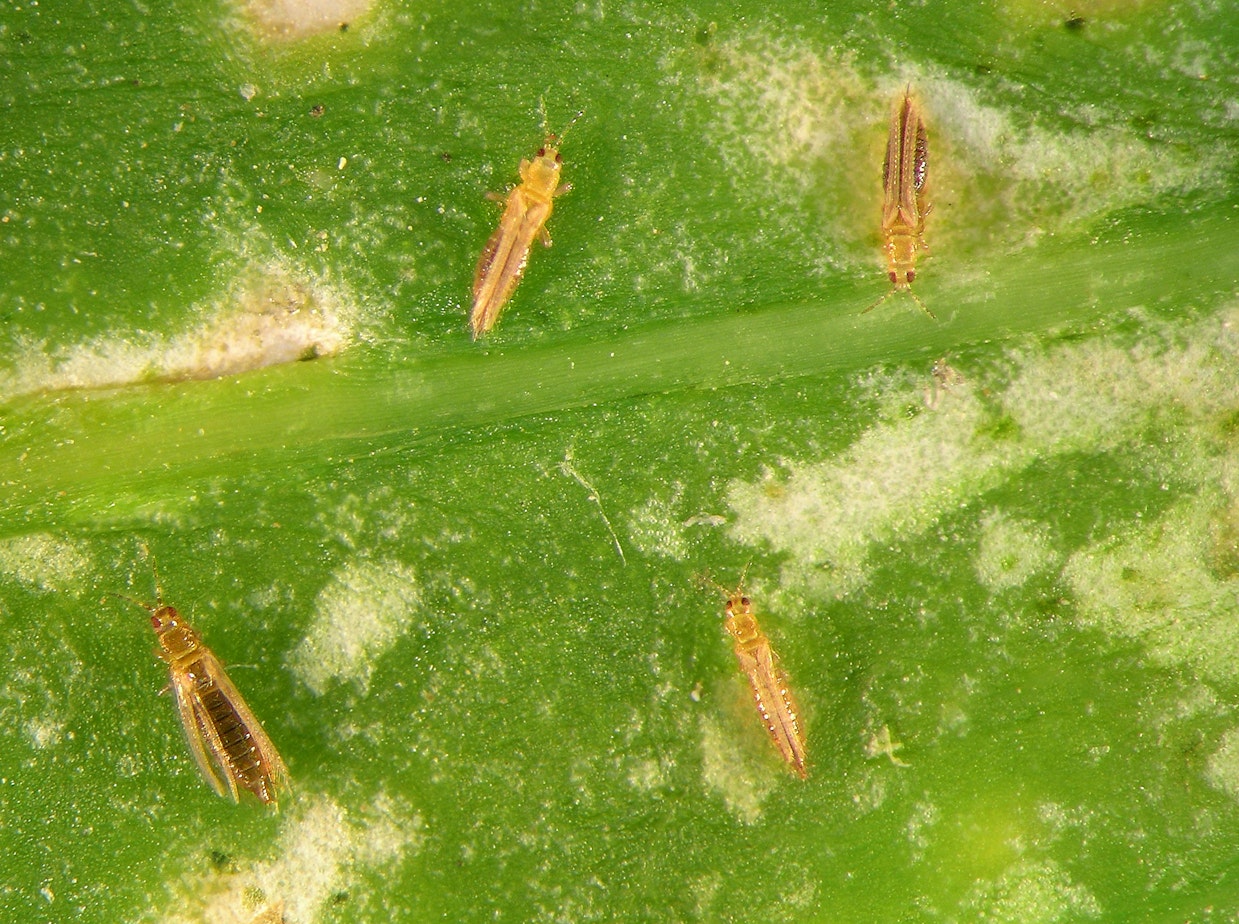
220, 860
705, 35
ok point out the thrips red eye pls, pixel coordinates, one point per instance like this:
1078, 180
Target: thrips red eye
744, 601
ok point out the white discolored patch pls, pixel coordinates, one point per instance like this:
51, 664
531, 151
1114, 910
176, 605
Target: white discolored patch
1098, 395
318, 850
729, 771
704, 890
364, 609
1011, 551
45, 732
44, 562
920, 827
275, 319
293, 19
270, 317
1029, 177
1031, 892
795, 94
649, 774
657, 528
896, 479
321, 849
868, 790
1222, 768
1153, 585
903, 474
810, 103
822, 119
312, 854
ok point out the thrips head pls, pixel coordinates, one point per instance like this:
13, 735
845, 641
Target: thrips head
163, 616
741, 623
550, 147
737, 602
550, 150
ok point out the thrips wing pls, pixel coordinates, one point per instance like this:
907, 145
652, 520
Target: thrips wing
494, 280
890, 174
487, 259
903, 173
915, 161
776, 704
504, 258
267, 754
195, 724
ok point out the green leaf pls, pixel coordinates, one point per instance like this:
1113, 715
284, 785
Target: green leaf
465, 586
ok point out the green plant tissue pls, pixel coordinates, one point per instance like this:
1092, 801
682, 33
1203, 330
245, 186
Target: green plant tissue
470, 588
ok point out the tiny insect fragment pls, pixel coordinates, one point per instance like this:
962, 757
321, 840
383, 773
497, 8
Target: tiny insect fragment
904, 204
945, 378
226, 740
882, 744
775, 703
524, 218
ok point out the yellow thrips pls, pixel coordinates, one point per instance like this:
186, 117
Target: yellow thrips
524, 218
226, 740
775, 703
904, 204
